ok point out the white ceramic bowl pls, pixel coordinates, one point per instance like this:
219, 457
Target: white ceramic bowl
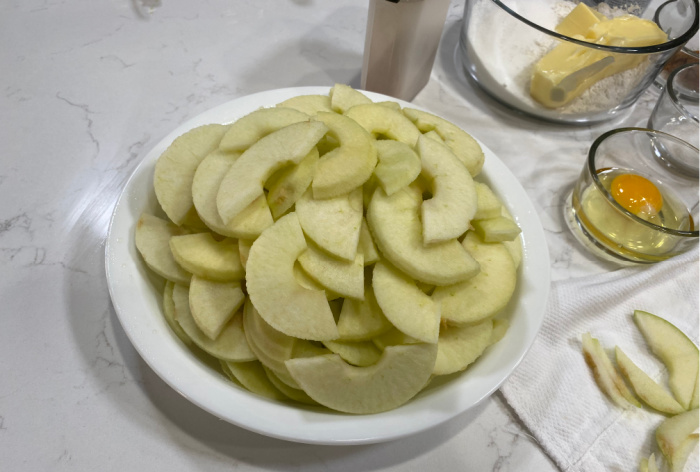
137, 301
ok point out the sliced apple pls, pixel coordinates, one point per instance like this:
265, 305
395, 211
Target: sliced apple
343, 97
404, 304
169, 313
500, 328
249, 129
432, 134
488, 205
676, 351
334, 223
289, 184
309, 104
393, 337
673, 433
496, 229
646, 388
206, 257
175, 168
462, 144
400, 374
252, 376
308, 282
384, 122
281, 301
515, 247
397, 230
366, 245
295, 394
244, 246
398, 165
342, 277
213, 304
485, 294
358, 353
249, 223
460, 346
362, 320
152, 237
648, 464
347, 166
244, 181
231, 345
681, 454
447, 214
604, 373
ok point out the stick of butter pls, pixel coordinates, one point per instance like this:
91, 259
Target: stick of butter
569, 69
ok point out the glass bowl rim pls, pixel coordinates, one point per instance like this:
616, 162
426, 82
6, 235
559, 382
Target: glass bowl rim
668, 45
594, 175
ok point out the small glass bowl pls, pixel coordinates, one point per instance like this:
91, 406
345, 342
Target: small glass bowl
644, 227
502, 40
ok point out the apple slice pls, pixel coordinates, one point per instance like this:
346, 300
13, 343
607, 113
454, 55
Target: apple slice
308, 282
672, 436
397, 230
152, 238
393, 337
498, 229
648, 464
648, 390
398, 165
366, 245
384, 122
460, 346
405, 305
400, 374
447, 214
169, 313
175, 168
347, 166
500, 328
676, 351
231, 345
213, 304
343, 97
362, 320
334, 223
249, 129
249, 223
295, 394
605, 374
244, 181
206, 257
252, 376
289, 184
485, 294
488, 204
515, 247
244, 246
309, 104
462, 144
342, 277
281, 301
358, 353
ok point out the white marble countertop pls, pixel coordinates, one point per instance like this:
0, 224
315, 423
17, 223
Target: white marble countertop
87, 89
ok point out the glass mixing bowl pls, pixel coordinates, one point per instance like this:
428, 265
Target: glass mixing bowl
502, 40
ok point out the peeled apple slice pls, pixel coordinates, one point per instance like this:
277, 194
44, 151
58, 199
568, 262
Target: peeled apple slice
447, 214
398, 165
206, 257
404, 304
465, 147
213, 304
152, 239
350, 164
175, 168
362, 320
247, 130
342, 277
309, 104
343, 97
400, 374
382, 121
673, 433
676, 351
289, 184
281, 301
395, 224
459, 346
169, 313
245, 179
253, 377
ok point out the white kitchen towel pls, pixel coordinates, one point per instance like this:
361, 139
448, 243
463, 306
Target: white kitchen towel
553, 390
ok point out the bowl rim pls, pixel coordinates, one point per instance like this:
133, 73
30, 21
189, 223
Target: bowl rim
668, 45
593, 172
149, 334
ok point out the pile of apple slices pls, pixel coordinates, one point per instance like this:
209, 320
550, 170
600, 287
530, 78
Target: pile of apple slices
332, 250
677, 435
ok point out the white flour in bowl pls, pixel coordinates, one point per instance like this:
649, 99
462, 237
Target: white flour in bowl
504, 50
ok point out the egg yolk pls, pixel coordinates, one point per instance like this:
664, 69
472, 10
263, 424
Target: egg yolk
636, 194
